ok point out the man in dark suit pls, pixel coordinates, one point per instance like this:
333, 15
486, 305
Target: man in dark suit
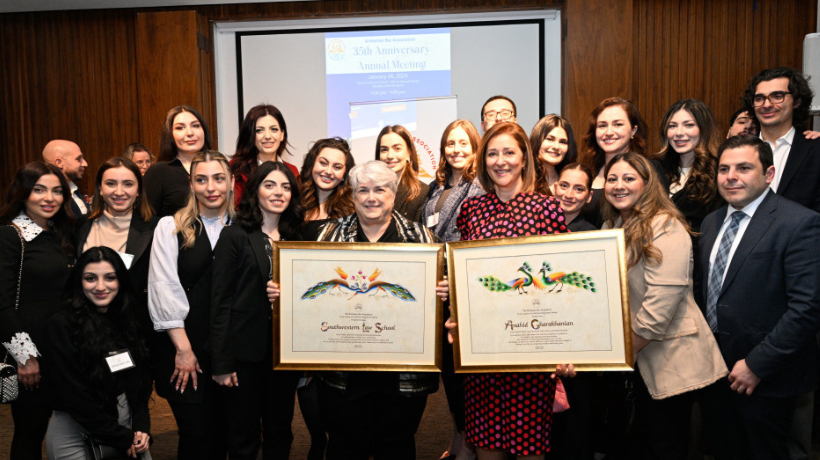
759, 278
68, 157
780, 99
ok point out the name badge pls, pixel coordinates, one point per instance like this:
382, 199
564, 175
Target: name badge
432, 221
126, 259
119, 361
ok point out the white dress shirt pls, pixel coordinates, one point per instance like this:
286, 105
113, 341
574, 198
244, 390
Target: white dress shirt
781, 149
77, 199
167, 302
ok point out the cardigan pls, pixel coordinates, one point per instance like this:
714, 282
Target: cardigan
446, 229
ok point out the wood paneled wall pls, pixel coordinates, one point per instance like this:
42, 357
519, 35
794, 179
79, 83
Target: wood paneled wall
709, 50
106, 78
66, 76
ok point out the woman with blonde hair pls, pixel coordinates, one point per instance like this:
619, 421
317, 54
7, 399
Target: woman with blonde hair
675, 351
179, 300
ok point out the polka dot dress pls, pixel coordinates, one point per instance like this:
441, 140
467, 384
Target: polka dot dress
510, 411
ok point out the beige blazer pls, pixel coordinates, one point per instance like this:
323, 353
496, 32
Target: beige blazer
683, 354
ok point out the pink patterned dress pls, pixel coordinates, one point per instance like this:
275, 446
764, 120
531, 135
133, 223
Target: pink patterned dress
510, 411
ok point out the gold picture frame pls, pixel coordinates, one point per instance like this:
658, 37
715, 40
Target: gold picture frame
392, 325
518, 307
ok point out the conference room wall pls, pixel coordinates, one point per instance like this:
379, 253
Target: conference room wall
105, 78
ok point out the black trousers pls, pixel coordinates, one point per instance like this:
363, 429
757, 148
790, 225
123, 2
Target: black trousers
201, 425
453, 383
312, 414
746, 427
261, 407
378, 423
30, 425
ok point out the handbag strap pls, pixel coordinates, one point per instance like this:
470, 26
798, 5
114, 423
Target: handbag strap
22, 255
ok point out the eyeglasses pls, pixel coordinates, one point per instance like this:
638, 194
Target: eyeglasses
775, 98
503, 115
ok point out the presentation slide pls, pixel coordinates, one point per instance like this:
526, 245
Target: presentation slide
371, 66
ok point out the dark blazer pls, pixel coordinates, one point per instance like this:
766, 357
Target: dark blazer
800, 181
140, 238
241, 324
769, 308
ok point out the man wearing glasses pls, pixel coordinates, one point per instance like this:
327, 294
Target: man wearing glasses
495, 110
780, 99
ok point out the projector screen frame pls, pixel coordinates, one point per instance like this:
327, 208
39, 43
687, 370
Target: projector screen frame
228, 53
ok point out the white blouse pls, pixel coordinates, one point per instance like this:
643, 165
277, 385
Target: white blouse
167, 302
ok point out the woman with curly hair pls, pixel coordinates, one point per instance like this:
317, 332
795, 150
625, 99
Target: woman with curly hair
553, 144
675, 351
96, 396
241, 323
262, 137
689, 142
324, 185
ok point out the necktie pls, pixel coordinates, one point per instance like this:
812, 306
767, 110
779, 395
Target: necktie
719, 267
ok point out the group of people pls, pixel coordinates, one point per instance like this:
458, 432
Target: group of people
164, 280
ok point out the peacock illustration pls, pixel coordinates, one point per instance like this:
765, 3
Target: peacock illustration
358, 283
496, 285
558, 279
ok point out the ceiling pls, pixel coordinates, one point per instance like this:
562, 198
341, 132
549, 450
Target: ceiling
20, 6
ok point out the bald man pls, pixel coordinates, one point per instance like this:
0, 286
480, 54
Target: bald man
67, 156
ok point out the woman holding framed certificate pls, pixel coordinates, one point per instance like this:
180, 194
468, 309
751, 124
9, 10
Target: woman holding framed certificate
495, 403
241, 322
676, 352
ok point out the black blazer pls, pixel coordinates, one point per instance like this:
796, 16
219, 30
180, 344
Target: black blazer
769, 307
241, 327
800, 181
140, 238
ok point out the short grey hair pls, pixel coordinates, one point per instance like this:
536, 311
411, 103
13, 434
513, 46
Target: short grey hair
376, 171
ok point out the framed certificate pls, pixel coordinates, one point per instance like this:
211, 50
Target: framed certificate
357, 306
530, 303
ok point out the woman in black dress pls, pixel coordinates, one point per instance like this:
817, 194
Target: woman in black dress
324, 185
95, 397
37, 204
395, 147
241, 323
184, 134
179, 291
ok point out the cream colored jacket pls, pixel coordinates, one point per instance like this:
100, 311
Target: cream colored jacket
683, 354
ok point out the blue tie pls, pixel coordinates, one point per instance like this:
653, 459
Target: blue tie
719, 267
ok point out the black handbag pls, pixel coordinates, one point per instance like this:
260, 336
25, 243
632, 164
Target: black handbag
98, 451
9, 388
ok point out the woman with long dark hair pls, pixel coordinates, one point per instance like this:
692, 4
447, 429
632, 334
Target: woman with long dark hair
675, 352
689, 143
325, 187
553, 144
35, 223
241, 324
262, 137
179, 291
184, 134
394, 146
615, 127
98, 363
